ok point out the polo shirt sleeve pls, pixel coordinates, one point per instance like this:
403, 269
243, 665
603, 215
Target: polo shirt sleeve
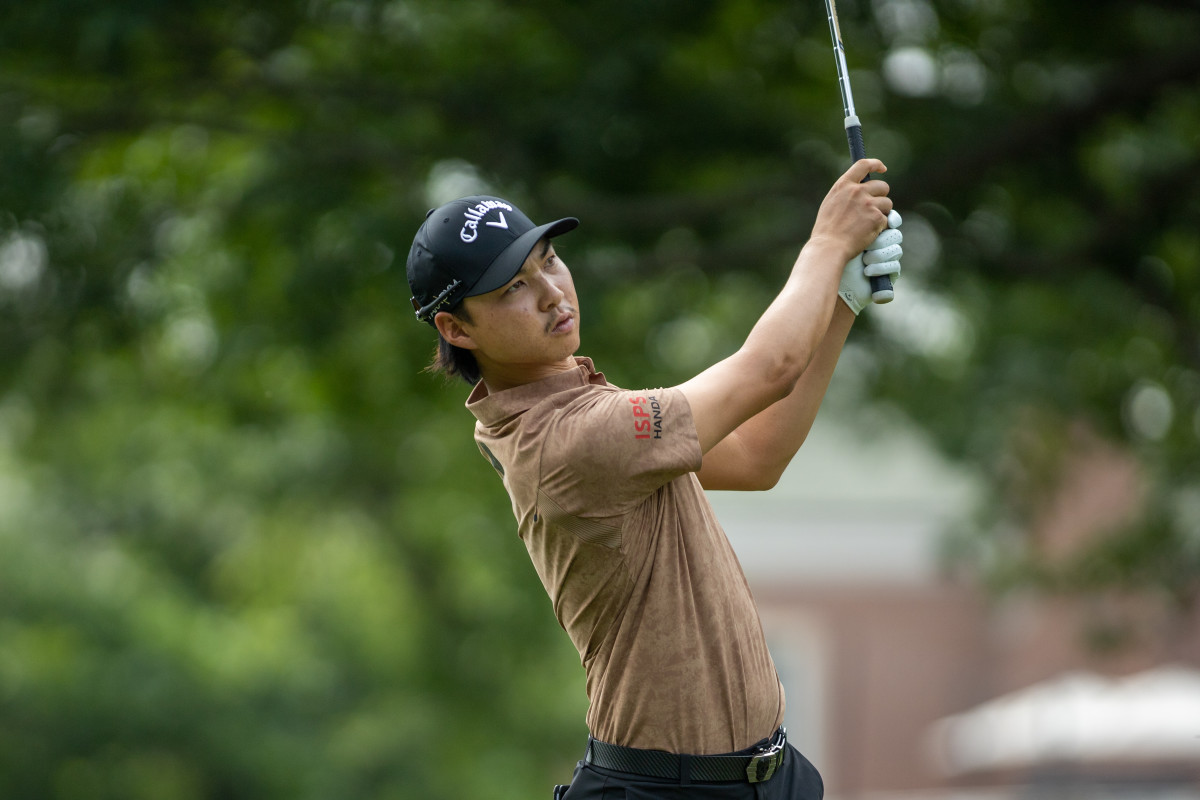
607, 452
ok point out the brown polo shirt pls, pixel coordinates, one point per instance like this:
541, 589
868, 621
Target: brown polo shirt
639, 571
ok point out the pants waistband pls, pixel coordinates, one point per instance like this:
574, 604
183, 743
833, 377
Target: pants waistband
753, 766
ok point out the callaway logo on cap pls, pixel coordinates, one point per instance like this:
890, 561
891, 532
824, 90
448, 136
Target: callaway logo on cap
468, 247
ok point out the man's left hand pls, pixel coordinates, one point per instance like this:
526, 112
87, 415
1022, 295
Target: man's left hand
882, 257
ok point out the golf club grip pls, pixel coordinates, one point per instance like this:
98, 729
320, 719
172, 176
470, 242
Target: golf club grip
858, 150
881, 285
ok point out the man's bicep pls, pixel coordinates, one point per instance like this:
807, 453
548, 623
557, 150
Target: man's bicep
723, 397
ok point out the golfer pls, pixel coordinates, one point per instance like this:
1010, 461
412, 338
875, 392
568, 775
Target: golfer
607, 484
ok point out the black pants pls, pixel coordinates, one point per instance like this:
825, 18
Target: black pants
796, 779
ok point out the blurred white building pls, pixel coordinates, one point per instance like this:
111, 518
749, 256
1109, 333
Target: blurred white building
895, 673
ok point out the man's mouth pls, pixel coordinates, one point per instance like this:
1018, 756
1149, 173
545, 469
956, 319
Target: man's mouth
563, 323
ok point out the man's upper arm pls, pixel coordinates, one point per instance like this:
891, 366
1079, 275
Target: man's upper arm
727, 394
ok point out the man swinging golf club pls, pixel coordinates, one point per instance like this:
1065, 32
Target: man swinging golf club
607, 484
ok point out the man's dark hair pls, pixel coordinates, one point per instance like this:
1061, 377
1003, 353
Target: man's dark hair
455, 362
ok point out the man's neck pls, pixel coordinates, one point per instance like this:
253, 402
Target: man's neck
498, 377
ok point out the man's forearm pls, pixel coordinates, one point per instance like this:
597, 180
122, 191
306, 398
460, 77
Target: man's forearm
789, 334
776, 433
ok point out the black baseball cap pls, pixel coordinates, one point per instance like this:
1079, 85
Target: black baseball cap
471, 246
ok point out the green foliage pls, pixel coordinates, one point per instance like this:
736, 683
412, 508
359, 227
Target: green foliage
248, 550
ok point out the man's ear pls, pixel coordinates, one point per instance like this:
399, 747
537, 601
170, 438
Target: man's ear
451, 329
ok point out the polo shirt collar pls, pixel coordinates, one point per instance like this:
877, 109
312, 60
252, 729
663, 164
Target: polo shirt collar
492, 409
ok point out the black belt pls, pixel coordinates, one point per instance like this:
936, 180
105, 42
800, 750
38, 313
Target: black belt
754, 766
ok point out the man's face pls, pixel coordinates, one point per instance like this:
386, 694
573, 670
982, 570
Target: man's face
532, 320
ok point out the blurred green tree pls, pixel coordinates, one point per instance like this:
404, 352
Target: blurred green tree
247, 550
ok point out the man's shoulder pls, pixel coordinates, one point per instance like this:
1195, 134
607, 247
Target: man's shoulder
492, 409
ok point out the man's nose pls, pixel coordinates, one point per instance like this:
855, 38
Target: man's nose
552, 295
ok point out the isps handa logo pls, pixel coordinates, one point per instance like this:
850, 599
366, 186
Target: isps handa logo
647, 417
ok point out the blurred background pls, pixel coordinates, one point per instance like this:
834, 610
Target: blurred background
248, 550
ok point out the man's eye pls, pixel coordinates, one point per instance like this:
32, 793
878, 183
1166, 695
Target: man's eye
514, 287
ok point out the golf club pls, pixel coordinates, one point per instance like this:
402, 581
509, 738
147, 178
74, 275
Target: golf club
881, 285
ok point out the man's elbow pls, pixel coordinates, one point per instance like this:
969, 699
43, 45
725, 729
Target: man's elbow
778, 374
739, 483
766, 482
760, 479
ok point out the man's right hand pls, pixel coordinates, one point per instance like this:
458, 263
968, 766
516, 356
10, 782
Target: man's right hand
853, 213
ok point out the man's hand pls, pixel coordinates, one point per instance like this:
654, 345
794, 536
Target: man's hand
882, 257
853, 212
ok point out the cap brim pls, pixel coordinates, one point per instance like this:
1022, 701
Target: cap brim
510, 260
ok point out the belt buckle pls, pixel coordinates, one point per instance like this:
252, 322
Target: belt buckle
763, 765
